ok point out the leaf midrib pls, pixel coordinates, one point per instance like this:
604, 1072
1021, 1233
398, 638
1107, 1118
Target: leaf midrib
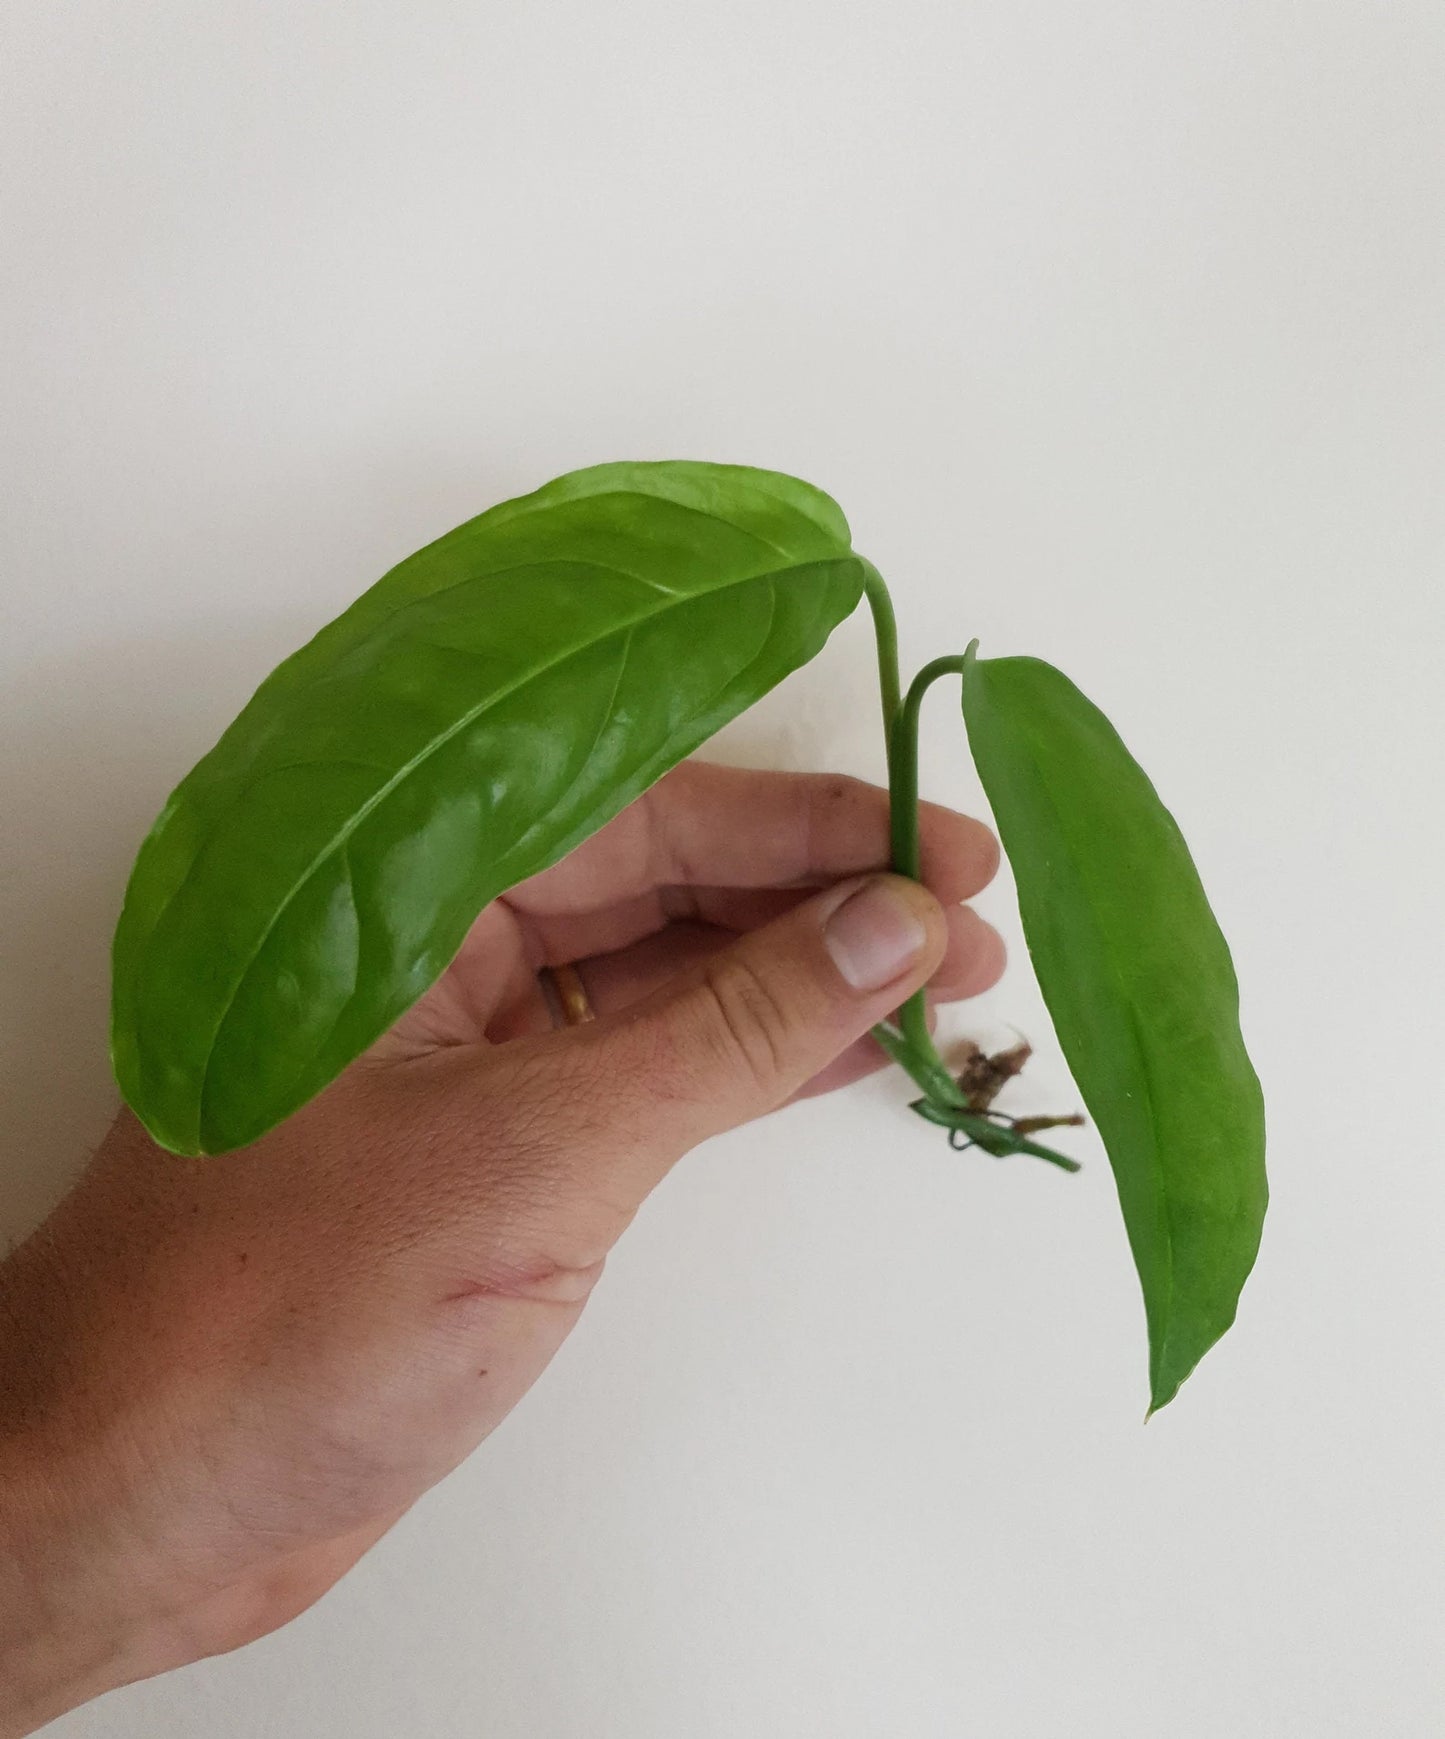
1131, 1012
670, 601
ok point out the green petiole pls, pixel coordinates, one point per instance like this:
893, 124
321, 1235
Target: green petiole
907, 1039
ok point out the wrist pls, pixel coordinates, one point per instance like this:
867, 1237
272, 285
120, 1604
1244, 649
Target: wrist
66, 1633
77, 1613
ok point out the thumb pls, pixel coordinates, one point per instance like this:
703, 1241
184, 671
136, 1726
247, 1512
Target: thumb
744, 1030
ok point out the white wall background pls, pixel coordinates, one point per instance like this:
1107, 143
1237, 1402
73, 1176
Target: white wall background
1117, 330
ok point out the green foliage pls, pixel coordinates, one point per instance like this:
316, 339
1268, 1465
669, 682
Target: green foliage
502, 693
1142, 992
476, 714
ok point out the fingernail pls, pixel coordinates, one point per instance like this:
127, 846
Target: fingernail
873, 936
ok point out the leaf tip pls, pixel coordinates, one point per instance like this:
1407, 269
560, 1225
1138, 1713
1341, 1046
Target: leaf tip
1162, 1390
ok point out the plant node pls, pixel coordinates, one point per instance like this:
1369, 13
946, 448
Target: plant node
980, 1078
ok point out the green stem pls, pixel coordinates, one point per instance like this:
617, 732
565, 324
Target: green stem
920, 1059
903, 792
926, 1069
909, 1042
995, 1138
885, 633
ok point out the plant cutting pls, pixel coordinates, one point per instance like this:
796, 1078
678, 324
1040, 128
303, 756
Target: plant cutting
502, 693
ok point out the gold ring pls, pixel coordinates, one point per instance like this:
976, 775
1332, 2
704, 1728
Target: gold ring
567, 993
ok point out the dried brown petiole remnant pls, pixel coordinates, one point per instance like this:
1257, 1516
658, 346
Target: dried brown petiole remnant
981, 1077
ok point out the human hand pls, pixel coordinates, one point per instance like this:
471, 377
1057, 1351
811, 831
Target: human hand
224, 1379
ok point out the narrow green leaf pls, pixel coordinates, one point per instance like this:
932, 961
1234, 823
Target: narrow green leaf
1142, 991
481, 710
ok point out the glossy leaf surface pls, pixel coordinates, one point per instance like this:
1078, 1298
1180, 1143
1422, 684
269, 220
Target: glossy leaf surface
1142, 991
481, 710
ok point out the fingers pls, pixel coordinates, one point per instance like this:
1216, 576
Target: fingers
696, 1033
765, 828
749, 1025
729, 827
976, 957
973, 960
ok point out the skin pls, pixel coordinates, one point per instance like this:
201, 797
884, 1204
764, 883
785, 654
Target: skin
223, 1380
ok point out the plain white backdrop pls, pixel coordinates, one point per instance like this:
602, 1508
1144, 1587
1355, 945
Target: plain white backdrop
1117, 331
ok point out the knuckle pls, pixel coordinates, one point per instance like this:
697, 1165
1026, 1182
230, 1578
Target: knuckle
747, 1023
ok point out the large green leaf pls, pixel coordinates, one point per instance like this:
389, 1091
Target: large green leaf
481, 710
1142, 991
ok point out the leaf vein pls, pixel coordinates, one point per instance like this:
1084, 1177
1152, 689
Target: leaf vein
354, 821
